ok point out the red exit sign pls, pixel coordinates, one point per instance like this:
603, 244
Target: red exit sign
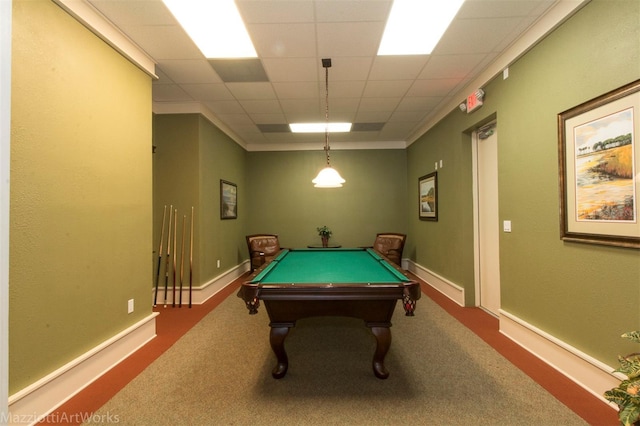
474, 101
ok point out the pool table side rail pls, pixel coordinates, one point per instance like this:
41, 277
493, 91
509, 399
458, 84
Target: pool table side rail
252, 290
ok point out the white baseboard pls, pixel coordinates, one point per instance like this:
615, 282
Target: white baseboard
587, 372
35, 402
204, 292
39, 399
444, 286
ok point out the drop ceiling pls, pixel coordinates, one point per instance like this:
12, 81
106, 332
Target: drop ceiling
390, 99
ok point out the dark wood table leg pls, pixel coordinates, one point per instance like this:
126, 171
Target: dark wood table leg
383, 342
276, 338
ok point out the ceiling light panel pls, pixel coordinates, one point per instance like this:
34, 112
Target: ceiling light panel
414, 27
320, 127
214, 26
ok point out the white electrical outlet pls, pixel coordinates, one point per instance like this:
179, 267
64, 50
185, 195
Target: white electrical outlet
130, 306
506, 226
218, 263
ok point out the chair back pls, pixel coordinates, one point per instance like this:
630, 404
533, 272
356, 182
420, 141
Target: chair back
391, 245
262, 248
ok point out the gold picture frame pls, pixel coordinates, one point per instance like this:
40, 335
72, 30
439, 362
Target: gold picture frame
598, 169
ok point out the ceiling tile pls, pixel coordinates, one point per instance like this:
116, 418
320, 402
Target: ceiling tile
189, 71
397, 67
260, 106
353, 11
208, 92
292, 69
243, 91
433, 87
364, 38
296, 90
386, 88
284, 40
169, 92
281, 11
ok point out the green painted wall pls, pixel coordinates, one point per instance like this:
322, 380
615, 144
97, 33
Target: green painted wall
585, 295
221, 158
80, 229
191, 157
176, 182
282, 199
444, 246
86, 211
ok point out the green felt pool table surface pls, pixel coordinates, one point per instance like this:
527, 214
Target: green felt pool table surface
329, 266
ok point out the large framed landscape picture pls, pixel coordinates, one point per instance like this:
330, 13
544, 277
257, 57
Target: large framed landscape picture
599, 158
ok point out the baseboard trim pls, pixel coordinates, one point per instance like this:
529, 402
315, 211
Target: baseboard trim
204, 292
439, 283
39, 399
587, 372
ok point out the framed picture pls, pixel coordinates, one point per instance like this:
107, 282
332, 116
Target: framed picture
428, 196
599, 157
228, 200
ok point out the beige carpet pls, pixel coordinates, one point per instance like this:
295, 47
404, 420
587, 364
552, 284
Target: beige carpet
441, 373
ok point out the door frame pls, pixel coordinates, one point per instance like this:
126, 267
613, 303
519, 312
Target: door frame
476, 212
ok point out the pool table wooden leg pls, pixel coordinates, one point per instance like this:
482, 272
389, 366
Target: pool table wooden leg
383, 342
276, 338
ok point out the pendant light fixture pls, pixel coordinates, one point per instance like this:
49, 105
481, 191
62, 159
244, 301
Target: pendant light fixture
328, 177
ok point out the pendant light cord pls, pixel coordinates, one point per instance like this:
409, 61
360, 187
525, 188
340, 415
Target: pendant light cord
326, 115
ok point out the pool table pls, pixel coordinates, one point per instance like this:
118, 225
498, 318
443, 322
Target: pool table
303, 283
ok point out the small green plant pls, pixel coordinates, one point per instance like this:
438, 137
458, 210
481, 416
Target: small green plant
627, 395
324, 231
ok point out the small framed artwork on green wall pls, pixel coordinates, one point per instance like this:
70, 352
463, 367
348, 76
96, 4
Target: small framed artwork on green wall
228, 200
428, 197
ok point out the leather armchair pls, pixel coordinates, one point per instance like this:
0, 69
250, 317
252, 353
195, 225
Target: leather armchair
391, 245
262, 248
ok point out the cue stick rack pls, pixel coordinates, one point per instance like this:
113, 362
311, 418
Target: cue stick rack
171, 266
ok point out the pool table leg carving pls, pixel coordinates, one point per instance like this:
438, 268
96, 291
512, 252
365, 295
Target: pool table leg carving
276, 338
383, 342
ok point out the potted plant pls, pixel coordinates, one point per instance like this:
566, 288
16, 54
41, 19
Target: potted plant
627, 395
325, 234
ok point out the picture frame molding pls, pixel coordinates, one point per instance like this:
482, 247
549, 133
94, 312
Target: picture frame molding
598, 232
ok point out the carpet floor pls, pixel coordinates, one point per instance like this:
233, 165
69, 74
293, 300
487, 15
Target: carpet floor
441, 373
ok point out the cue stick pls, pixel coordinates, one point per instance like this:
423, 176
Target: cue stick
191, 258
175, 249
166, 272
184, 218
164, 216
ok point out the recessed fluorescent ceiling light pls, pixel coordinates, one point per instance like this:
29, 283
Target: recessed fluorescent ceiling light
215, 26
414, 27
319, 127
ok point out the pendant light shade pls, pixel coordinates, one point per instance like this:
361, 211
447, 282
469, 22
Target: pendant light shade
328, 177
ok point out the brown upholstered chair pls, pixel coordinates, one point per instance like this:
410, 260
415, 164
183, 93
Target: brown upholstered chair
390, 244
262, 248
